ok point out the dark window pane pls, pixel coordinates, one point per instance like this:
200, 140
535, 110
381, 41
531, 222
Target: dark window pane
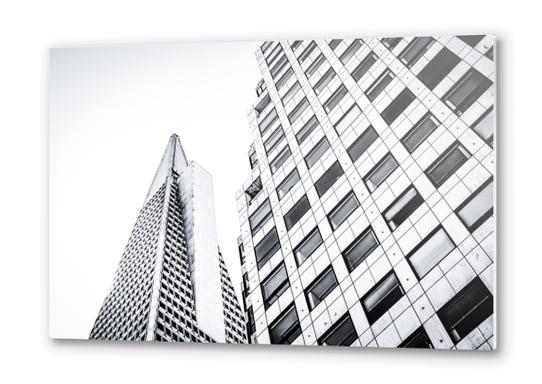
415, 49
329, 178
364, 66
402, 207
277, 162
471, 40
306, 52
362, 143
380, 172
382, 297
335, 98
274, 285
267, 247
379, 84
347, 119
285, 329
343, 210
268, 120
315, 65
254, 188
317, 152
350, 51
284, 78
418, 339
391, 42
474, 211
307, 246
360, 249
447, 164
288, 183
295, 45
341, 333
466, 310
274, 139
321, 287
279, 66
289, 95
398, 105
324, 80
466, 91
296, 212
334, 43
298, 110
260, 216
419, 132
437, 69
306, 130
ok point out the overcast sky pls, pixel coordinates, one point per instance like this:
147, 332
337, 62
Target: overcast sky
111, 113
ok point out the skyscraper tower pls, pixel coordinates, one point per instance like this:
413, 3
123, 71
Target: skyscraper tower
368, 216
172, 283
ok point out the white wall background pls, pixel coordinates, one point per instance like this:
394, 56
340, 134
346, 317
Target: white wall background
29, 29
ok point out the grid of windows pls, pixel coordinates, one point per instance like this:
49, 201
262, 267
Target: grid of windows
417, 160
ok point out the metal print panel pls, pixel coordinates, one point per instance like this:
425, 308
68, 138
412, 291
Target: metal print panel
366, 218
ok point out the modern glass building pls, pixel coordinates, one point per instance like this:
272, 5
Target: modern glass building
172, 283
368, 217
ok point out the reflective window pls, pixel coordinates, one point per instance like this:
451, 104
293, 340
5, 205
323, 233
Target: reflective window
274, 139
360, 249
418, 339
321, 287
350, 51
307, 246
484, 126
380, 172
298, 110
402, 207
267, 247
317, 152
274, 285
289, 95
419, 132
306, 130
347, 119
364, 66
285, 329
438, 68
362, 143
306, 53
315, 65
334, 43
431, 250
391, 42
398, 105
446, 164
341, 333
324, 80
296, 212
415, 49
379, 84
288, 183
277, 162
329, 178
382, 297
343, 210
260, 216
474, 211
466, 91
335, 98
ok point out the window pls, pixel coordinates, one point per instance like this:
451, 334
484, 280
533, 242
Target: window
288, 183
296, 212
341, 333
446, 164
274, 139
347, 119
474, 211
398, 105
264, 102
343, 210
471, 40
295, 45
364, 66
277, 68
298, 110
335, 98
284, 78
267, 247
484, 126
306, 53
431, 250
350, 51
360, 249
324, 80
260, 216
415, 49
285, 329
254, 188
317, 152
268, 120
391, 42
329, 178
315, 65
280, 159
362, 143
489, 54
306, 130
466, 310
321, 287
307, 246
418, 339
382, 297
274, 285
273, 54
334, 43
289, 95
419, 132
379, 84
265, 46
466, 91
380, 172
252, 157
437, 69
402, 207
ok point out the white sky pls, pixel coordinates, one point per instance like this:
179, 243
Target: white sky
111, 113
